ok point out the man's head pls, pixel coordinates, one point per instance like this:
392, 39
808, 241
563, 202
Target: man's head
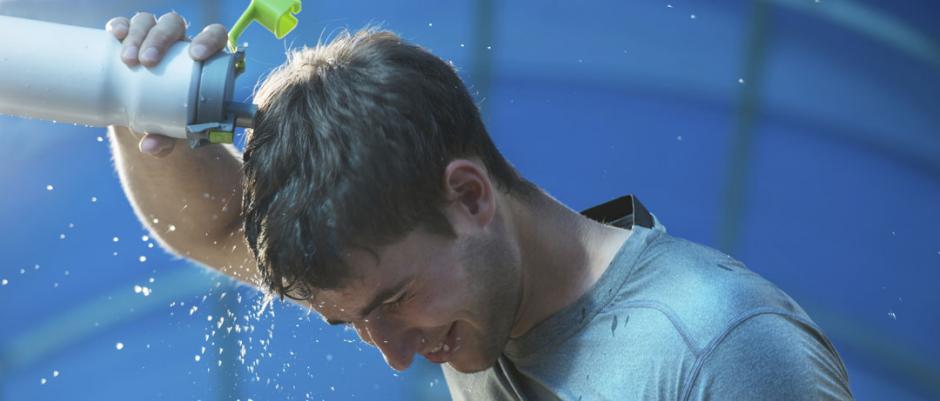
373, 191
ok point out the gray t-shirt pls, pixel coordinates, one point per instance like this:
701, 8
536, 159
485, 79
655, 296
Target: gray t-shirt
668, 320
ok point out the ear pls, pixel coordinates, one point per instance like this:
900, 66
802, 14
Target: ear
469, 191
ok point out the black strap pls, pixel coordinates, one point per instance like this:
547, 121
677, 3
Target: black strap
615, 211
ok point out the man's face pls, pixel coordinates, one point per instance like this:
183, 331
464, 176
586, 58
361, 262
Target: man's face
449, 299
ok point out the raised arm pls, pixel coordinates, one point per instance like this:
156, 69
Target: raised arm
190, 199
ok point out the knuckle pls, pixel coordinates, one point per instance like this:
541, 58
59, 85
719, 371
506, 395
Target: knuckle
142, 16
171, 17
117, 24
216, 35
117, 21
215, 29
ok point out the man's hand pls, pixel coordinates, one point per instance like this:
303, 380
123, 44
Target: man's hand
146, 39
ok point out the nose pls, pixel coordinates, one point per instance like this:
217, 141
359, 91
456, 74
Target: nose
397, 344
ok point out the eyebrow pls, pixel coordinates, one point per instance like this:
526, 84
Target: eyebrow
380, 298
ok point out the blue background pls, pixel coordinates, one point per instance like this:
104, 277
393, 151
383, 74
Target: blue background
802, 137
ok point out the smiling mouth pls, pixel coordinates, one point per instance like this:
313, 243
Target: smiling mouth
445, 349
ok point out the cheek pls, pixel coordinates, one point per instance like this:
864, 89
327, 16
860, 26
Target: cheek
443, 298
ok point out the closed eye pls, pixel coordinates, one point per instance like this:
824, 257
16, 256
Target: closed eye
398, 302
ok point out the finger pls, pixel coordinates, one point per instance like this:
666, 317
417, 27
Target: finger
140, 25
208, 42
157, 145
118, 27
170, 29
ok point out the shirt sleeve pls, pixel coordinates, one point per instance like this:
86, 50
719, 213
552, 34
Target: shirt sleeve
771, 357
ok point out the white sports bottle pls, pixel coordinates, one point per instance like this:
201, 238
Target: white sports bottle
75, 75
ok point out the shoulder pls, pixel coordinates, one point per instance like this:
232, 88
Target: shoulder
699, 289
769, 355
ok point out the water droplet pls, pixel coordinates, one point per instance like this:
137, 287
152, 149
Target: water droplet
61, 236
49, 187
150, 245
173, 228
142, 259
94, 199
892, 315
740, 80
42, 381
100, 139
430, 24
4, 282
679, 138
145, 238
462, 45
197, 358
156, 221
137, 289
489, 48
692, 16
119, 346
55, 373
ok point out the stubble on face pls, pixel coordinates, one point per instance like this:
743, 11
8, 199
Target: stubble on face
494, 275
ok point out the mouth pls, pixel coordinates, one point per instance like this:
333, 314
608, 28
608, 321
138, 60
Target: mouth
443, 351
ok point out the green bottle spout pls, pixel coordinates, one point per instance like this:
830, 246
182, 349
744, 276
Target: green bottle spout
275, 15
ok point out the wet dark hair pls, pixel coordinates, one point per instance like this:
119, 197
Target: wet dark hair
348, 152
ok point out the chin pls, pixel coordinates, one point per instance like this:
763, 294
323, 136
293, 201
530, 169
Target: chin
474, 364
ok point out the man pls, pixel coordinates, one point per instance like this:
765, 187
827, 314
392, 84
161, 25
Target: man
370, 191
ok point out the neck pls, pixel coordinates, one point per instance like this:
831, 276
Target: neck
562, 255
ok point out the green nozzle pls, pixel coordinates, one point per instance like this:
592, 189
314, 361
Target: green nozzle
276, 15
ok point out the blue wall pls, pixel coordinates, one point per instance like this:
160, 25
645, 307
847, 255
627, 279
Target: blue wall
803, 137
